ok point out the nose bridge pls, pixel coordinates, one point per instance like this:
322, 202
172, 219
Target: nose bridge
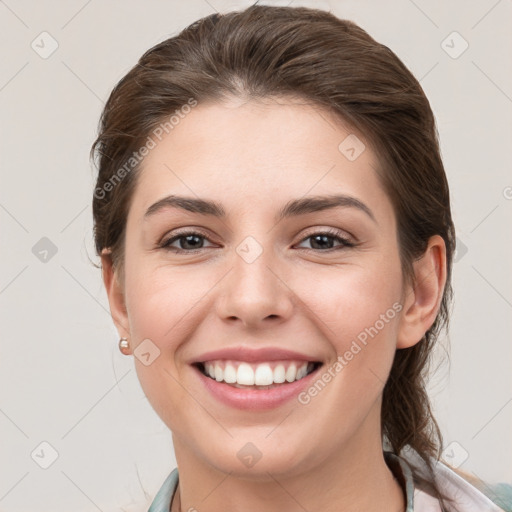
254, 290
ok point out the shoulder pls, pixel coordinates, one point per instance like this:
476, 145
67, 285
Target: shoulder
470, 494
500, 493
464, 492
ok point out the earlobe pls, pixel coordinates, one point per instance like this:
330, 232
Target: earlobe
115, 294
423, 297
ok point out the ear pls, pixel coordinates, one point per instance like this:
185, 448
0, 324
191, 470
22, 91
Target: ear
422, 298
115, 293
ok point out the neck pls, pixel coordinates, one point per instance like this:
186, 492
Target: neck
352, 479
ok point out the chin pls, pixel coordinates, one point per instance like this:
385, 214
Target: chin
259, 460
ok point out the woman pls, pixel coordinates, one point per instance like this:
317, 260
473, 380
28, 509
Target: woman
274, 225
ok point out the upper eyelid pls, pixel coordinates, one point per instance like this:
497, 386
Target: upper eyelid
173, 238
184, 232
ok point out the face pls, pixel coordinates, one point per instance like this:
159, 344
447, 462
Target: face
269, 291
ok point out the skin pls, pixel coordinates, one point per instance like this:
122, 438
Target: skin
253, 157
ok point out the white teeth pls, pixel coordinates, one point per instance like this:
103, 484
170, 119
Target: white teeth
245, 375
255, 374
291, 373
279, 374
264, 376
229, 374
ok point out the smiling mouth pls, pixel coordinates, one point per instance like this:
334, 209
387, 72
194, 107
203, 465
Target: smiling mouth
265, 375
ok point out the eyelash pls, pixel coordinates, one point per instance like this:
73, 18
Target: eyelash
345, 242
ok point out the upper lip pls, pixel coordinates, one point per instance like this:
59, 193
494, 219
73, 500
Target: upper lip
253, 355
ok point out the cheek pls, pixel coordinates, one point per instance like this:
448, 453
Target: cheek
358, 311
161, 307
351, 300
164, 306
158, 296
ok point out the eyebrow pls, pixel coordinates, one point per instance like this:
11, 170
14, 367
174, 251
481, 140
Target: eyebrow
293, 208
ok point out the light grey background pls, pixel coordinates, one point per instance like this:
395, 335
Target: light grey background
62, 379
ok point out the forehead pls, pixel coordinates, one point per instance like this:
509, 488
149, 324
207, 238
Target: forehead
259, 152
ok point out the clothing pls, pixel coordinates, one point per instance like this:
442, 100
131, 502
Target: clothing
467, 497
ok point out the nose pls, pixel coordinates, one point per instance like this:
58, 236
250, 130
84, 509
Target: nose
254, 293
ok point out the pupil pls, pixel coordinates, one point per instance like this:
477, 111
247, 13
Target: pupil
188, 238
323, 240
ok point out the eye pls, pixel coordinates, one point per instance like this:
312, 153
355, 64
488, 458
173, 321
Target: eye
188, 241
193, 241
324, 240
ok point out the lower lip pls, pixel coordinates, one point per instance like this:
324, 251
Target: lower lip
255, 399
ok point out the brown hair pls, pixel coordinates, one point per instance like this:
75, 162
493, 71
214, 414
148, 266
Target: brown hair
263, 52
